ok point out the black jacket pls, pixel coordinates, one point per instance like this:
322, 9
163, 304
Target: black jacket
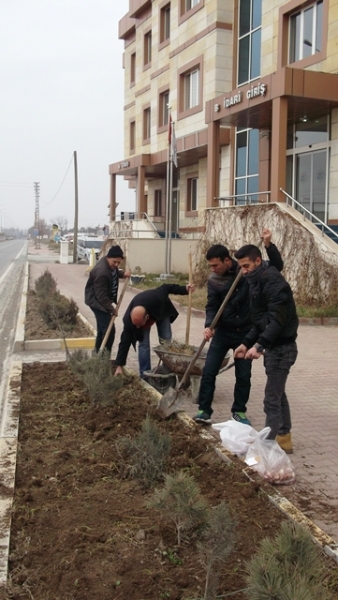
272, 309
236, 315
158, 306
99, 287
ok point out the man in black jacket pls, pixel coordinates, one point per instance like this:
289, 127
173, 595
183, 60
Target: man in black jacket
101, 293
145, 309
274, 332
231, 329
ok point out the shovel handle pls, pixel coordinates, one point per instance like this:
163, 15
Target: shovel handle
112, 320
187, 331
212, 326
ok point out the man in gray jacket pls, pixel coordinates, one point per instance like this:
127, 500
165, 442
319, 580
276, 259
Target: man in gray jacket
101, 293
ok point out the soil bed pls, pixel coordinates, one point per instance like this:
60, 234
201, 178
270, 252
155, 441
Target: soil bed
81, 529
36, 329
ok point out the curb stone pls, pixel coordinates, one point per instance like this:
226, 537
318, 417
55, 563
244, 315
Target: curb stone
22, 345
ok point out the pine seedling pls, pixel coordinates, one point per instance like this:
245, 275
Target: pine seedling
216, 544
180, 501
96, 374
147, 453
287, 568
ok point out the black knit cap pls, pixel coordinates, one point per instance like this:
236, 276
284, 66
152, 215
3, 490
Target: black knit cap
115, 252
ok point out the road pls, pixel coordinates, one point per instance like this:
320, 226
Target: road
13, 255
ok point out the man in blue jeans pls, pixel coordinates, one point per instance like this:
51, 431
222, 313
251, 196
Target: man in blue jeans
273, 334
145, 309
231, 329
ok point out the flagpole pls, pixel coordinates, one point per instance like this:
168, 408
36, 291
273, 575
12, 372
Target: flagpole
167, 211
170, 198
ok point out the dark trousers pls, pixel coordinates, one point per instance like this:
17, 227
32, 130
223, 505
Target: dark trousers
102, 322
220, 344
277, 362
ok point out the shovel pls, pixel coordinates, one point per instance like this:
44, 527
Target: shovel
171, 401
112, 320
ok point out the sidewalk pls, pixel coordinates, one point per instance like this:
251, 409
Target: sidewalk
312, 392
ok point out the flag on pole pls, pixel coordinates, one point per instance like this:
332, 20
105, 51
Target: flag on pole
170, 121
173, 145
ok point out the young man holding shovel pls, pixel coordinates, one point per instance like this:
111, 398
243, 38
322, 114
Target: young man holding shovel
145, 309
101, 293
273, 334
232, 327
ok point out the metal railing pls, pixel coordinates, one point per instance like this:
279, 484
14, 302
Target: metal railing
241, 199
310, 216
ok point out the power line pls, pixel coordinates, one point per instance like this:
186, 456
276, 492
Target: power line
62, 182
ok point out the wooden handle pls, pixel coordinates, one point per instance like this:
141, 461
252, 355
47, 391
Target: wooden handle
212, 326
112, 320
187, 331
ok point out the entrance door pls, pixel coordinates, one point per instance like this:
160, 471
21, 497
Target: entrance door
311, 181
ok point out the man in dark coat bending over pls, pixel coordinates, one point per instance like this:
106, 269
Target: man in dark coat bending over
145, 309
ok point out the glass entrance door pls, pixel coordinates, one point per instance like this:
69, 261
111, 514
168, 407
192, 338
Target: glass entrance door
311, 168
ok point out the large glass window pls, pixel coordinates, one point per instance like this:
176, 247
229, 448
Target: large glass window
249, 40
192, 188
247, 166
306, 32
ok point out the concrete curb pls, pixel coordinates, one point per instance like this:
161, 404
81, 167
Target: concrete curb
22, 345
8, 452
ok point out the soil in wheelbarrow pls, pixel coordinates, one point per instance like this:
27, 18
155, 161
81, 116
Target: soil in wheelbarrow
81, 528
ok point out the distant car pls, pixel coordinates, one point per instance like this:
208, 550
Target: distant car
85, 245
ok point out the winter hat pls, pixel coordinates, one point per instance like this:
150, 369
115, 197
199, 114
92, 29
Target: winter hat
115, 252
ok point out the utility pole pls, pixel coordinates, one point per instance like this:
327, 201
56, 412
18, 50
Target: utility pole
37, 214
76, 213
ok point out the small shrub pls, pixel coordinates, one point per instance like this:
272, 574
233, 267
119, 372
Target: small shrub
45, 285
217, 540
180, 501
58, 312
147, 453
288, 567
96, 374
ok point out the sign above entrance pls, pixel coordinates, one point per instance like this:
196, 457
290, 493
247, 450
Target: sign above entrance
253, 92
124, 164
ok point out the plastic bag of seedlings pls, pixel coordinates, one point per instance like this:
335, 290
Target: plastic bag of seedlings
269, 460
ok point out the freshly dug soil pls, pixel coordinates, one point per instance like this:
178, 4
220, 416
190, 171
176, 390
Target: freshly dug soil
36, 328
81, 529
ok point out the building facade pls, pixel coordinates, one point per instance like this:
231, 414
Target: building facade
252, 90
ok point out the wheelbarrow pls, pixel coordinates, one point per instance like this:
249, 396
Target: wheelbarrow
174, 365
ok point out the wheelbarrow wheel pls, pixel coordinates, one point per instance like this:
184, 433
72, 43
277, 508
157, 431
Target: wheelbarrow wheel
161, 384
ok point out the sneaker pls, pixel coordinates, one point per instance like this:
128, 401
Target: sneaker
241, 418
202, 417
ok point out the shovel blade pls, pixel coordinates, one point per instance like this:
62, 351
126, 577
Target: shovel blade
171, 402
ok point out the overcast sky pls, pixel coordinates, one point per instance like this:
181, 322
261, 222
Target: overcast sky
61, 90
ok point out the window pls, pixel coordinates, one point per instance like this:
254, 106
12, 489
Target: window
191, 89
146, 124
187, 9
165, 24
158, 203
132, 136
249, 40
247, 165
192, 194
147, 49
163, 109
306, 26
132, 68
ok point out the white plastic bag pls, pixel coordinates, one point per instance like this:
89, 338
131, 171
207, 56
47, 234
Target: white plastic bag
269, 460
236, 437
